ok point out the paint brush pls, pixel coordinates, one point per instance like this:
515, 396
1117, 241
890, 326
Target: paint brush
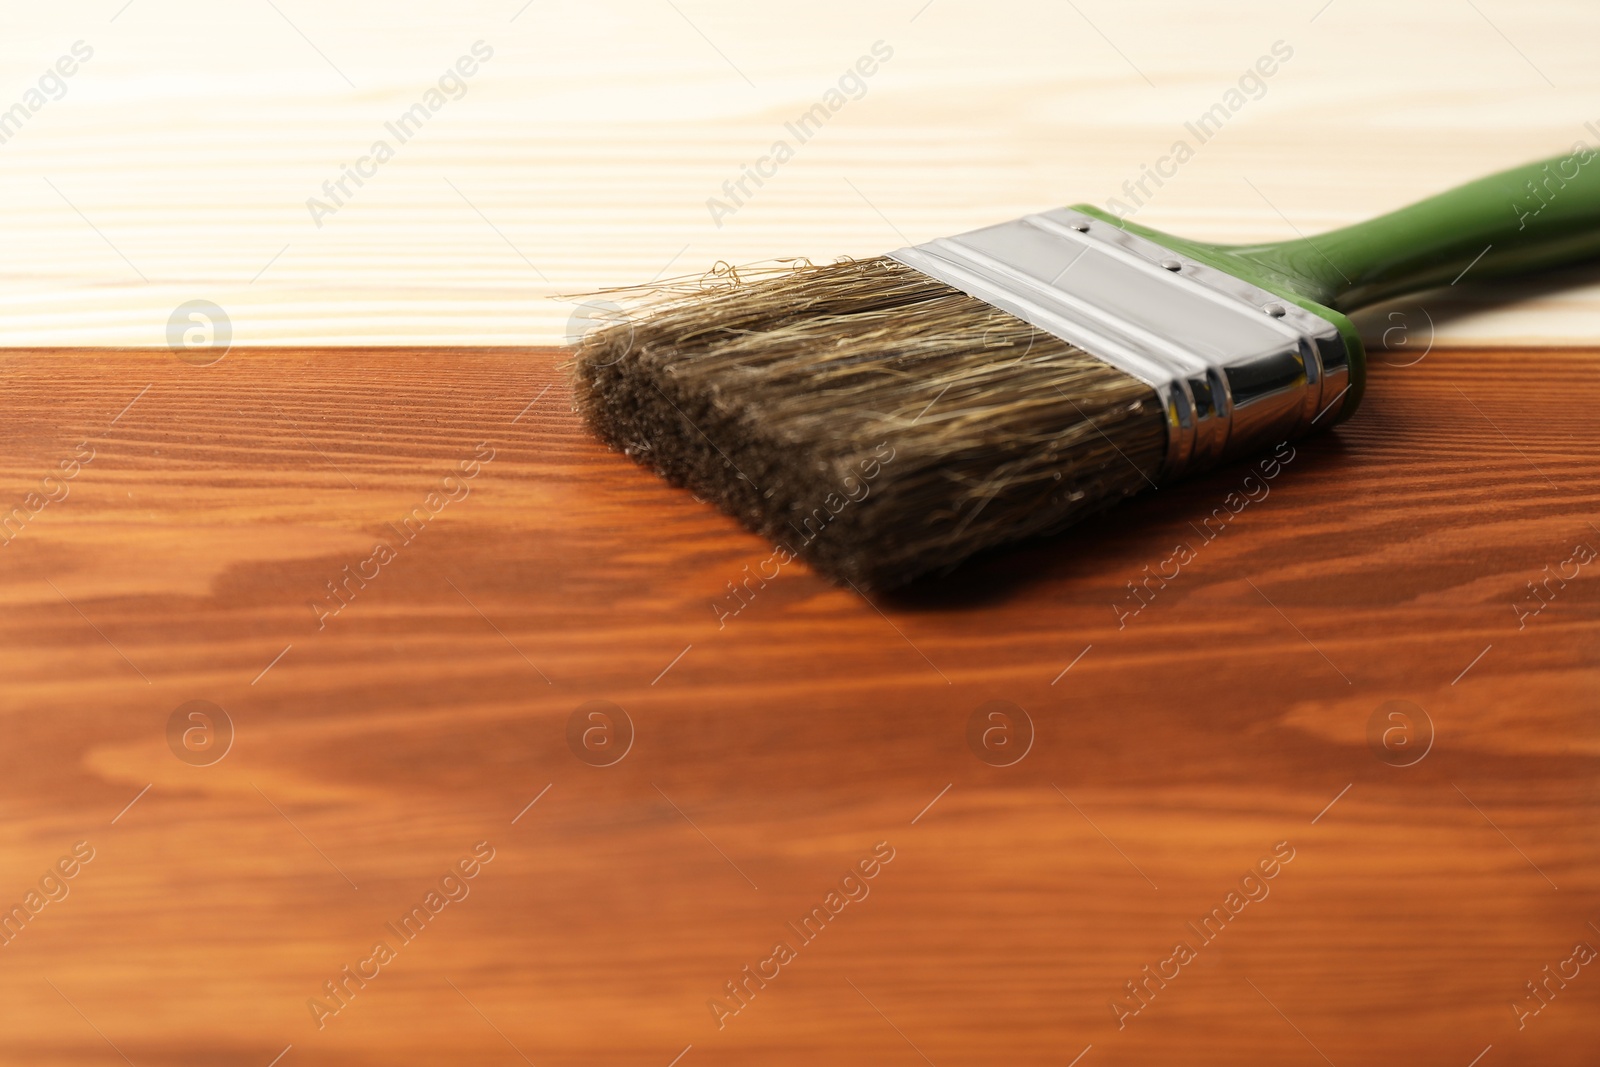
886, 418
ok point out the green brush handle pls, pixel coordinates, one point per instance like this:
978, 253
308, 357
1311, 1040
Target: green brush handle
1530, 219
1508, 225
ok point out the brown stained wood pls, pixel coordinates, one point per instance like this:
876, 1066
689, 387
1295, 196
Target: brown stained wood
771, 755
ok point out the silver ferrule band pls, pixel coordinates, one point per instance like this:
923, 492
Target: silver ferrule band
1236, 368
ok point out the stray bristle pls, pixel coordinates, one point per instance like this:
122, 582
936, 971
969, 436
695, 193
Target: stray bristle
871, 420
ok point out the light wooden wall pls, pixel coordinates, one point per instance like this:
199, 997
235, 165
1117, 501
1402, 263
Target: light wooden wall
178, 164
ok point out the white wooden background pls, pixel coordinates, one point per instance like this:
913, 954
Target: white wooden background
178, 164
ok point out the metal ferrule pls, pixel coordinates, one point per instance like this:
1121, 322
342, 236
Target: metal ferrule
1237, 368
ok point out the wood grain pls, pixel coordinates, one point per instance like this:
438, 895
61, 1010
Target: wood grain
179, 163
772, 755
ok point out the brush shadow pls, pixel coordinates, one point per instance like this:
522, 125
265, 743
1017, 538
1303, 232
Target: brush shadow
1135, 528
1452, 304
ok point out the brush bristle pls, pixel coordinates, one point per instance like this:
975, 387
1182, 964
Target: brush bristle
875, 422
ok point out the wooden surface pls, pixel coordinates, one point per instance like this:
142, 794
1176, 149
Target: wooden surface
178, 164
771, 756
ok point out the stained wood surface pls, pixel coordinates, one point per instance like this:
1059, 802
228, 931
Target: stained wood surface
769, 757
179, 161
